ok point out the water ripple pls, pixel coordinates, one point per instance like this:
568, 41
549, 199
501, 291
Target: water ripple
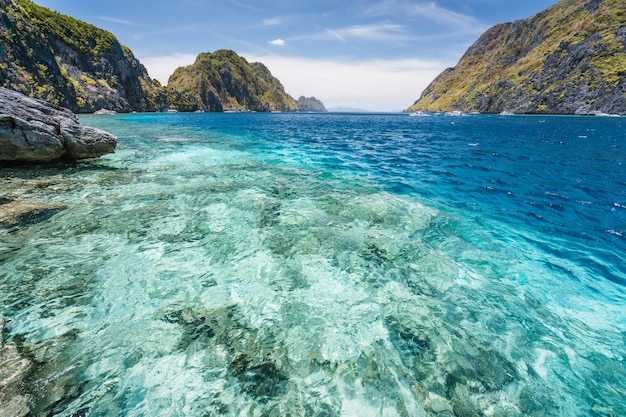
333, 265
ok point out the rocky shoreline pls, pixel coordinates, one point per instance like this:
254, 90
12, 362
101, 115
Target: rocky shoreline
32, 130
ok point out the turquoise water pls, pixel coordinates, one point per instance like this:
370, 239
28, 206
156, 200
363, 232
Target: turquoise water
325, 265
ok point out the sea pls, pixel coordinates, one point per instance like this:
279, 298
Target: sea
302, 264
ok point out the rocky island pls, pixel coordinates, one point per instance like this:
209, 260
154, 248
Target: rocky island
568, 59
311, 104
225, 81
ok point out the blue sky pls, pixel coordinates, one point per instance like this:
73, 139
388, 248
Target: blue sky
375, 55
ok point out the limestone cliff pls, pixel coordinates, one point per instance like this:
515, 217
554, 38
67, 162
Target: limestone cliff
225, 81
568, 59
70, 63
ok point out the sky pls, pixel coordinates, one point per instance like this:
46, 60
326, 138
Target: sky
374, 55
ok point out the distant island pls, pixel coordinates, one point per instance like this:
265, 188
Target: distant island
70, 63
568, 59
310, 104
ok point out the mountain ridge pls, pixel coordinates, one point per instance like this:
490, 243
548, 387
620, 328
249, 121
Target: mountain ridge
567, 59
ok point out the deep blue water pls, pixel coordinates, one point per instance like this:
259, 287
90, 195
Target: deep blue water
326, 265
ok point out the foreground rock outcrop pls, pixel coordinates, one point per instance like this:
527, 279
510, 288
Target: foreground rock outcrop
568, 59
225, 81
70, 63
32, 130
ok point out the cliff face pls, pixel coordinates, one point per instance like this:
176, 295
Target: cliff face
224, 81
70, 63
568, 59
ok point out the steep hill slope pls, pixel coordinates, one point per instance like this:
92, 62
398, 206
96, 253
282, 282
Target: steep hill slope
67, 62
224, 81
570, 58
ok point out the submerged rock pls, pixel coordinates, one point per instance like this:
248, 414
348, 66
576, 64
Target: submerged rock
33, 130
13, 369
21, 213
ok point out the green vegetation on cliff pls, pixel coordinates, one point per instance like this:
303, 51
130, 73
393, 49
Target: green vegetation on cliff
570, 58
225, 81
54, 57
47, 55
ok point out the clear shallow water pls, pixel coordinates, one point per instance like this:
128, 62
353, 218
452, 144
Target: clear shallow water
325, 265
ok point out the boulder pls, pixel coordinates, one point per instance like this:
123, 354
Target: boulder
32, 130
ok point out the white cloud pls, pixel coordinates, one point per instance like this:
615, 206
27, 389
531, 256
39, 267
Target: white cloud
428, 11
375, 85
442, 16
378, 32
245, 6
115, 20
275, 21
161, 67
277, 42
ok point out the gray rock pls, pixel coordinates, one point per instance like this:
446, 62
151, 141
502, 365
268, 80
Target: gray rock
33, 130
